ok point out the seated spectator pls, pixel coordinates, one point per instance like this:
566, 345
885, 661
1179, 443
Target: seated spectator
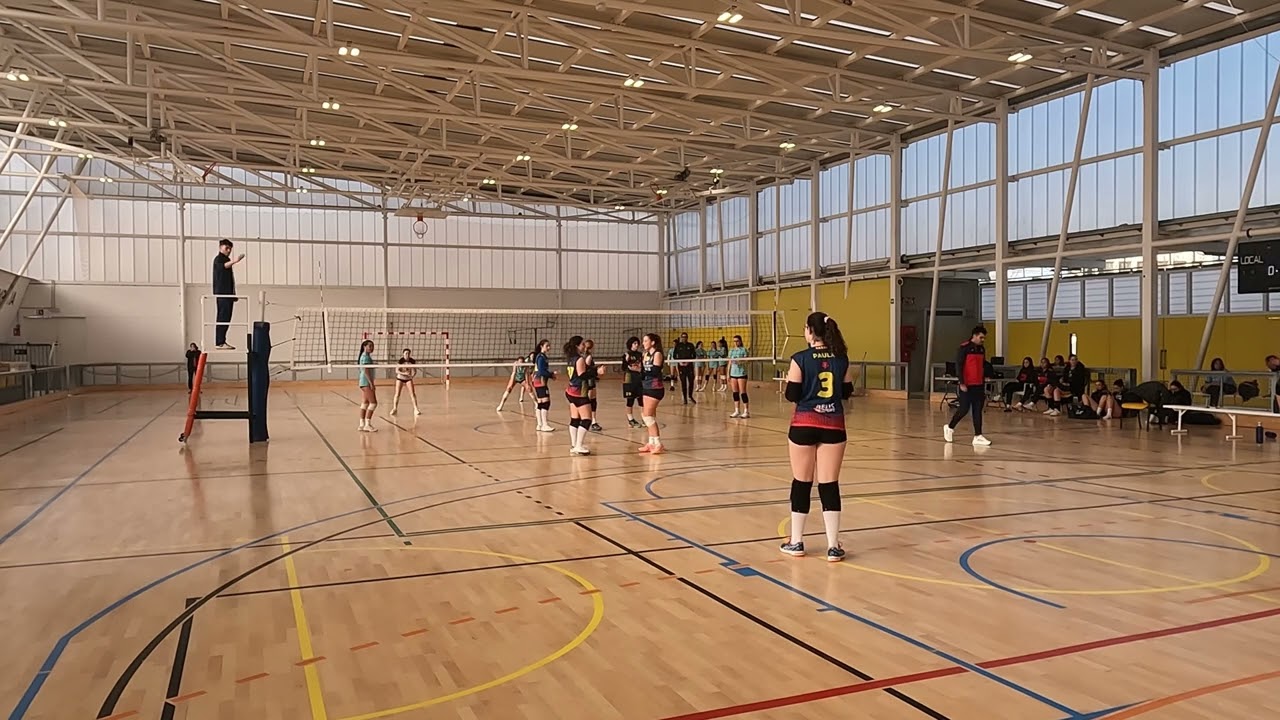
1273, 364
1180, 394
1219, 383
1072, 385
1024, 382
1102, 402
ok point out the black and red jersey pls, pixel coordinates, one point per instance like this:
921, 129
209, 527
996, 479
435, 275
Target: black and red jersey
971, 364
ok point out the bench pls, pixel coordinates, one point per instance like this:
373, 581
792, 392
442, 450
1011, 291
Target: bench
1231, 412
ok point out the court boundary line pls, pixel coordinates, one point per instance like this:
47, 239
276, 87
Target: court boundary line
179, 667
76, 481
28, 443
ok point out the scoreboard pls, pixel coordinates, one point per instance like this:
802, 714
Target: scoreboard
1258, 267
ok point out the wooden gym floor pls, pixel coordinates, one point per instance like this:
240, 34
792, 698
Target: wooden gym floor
464, 566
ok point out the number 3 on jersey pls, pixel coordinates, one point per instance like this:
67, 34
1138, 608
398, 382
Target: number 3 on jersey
828, 385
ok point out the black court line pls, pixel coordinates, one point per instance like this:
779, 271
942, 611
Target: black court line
114, 404
756, 619
25, 444
402, 428
354, 478
179, 667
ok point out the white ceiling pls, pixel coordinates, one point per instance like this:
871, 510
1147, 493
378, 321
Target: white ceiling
446, 94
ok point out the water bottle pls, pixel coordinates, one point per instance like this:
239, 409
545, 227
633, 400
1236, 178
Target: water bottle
1258, 434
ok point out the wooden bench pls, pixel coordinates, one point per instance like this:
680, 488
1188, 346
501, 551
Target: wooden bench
1231, 412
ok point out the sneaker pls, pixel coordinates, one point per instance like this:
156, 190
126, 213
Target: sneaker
632, 422
416, 411
1049, 412
735, 414
224, 346
835, 554
744, 415
948, 433
1029, 406
363, 429
370, 428
695, 402
980, 441
657, 450
499, 408
393, 412
1053, 413
793, 549
1008, 409
595, 427
546, 428
645, 449
579, 451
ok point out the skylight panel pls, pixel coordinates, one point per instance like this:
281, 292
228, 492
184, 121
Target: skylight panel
816, 46
1099, 16
863, 28
891, 61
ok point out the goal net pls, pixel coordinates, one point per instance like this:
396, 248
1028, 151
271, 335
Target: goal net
483, 342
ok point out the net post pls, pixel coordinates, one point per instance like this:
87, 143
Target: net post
446, 359
328, 350
194, 403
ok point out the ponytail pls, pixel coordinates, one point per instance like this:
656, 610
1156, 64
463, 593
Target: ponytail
823, 327
537, 349
571, 347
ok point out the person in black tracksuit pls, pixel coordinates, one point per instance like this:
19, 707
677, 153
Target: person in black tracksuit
193, 359
971, 368
684, 350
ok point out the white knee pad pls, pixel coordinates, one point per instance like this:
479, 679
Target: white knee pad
372, 406
364, 406
649, 420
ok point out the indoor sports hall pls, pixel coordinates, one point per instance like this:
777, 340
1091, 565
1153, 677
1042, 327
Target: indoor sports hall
477, 360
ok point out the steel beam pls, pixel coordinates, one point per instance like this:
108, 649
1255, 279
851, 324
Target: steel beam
937, 258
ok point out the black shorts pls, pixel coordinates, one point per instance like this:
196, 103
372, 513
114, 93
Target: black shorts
541, 392
577, 400
405, 382
1097, 395
631, 391
655, 394
802, 435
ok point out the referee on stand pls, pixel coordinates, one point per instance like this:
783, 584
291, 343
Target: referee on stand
224, 283
684, 350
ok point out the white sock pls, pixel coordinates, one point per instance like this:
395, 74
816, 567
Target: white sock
831, 518
797, 526
542, 417
631, 417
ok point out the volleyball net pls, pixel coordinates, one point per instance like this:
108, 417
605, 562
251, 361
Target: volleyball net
460, 341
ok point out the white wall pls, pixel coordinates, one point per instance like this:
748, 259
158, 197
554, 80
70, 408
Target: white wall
115, 257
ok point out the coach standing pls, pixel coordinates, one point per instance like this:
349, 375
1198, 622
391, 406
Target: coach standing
224, 283
684, 350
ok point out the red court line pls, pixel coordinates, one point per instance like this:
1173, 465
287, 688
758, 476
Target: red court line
880, 684
251, 678
505, 610
310, 661
549, 600
364, 646
1233, 594
1147, 707
188, 696
411, 633
461, 620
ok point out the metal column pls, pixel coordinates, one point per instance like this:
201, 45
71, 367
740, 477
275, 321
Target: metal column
1002, 229
848, 257
1067, 203
720, 234
815, 247
895, 249
753, 236
702, 245
1150, 360
184, 323
48, 225
559, 260
664, 289
937, 257
1237, 229
31, 192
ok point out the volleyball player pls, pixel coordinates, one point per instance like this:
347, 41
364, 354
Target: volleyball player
588, 347
652, 391
722, 369
817, 437
700, 353
632, 374
579, 373
368, 393
738, 379
518, 376
405, 372
541, 392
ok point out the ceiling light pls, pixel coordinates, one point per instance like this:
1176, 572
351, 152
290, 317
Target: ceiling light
106, 180
523, 157
731, 16
303, 190
17, 76
85, 156
331, 104
57, 122
307, 170
569, 126
618, 207
349, 49
1020, 57
489, 181
882, 108
633, 82
317, 142
661, 191
717, 171
787, 145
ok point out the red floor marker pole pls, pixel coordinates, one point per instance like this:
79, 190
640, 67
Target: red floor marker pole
195, 398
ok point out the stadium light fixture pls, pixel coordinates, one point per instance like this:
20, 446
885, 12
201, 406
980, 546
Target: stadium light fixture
57, 122
85, 155
489, 181
105, 179
883, 108
317, 142
570, 126
349, 49
633, 82
1020, 57
331, 104
731, 16
787, 145
523, 157
17, 76
717, 171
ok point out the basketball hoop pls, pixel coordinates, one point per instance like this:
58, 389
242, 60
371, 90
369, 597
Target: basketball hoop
420, 227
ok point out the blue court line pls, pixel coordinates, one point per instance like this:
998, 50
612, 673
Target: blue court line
65, 488
1099, 714
830, 607
968, 554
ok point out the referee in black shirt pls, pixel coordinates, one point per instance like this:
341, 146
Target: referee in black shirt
684, 350
224, 283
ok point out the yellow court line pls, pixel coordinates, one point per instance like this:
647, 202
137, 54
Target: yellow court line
311, 672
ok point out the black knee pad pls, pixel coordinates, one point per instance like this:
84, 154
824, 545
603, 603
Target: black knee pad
594, 405
800, 500
544, 404
745, 400
737, 396
631, 402
829, 496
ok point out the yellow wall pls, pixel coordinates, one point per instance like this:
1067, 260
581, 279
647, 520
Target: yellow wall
864, 316
1242, 341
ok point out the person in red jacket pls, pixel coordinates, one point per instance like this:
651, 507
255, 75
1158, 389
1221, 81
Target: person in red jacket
971, 368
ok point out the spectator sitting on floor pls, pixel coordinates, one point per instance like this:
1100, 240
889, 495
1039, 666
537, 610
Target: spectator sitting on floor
1044, 380
1105, 404
1073, 383
1181, 395
1219, 383
1025, 382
